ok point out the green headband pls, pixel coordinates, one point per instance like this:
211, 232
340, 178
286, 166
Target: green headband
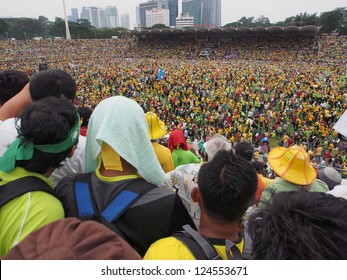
19, 151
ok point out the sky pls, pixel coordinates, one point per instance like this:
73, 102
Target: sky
232, 10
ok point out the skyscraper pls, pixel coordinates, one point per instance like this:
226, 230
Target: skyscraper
96, 16
74, 14
125, 21
206, 13
156, 16
172, 5
111, 16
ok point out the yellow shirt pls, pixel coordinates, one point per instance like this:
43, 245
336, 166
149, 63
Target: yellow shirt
164, 156
171, 248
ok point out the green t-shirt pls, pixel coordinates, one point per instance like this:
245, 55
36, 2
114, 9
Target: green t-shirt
181, 157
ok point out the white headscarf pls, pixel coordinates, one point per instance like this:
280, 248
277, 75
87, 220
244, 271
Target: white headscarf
121, 123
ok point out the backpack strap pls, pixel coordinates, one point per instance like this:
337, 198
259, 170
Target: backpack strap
131, 192
21, 186
83, 198
247, 249
128, 194
198, 245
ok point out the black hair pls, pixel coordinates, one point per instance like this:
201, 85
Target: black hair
85, 114
245, 150
11, 83
300, 225
52, 82
46, 121
227, 185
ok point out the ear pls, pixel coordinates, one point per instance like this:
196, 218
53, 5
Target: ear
195, 194
72, 151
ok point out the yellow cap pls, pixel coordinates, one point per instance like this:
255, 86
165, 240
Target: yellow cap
292, 164
156, 127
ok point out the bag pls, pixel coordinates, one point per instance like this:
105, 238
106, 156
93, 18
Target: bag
203, 249
21, 186
127, 195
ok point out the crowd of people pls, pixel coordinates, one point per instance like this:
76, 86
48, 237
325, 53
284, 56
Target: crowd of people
281, 98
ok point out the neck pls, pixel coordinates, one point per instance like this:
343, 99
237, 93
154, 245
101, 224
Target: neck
48, 172
218, 229
128, 169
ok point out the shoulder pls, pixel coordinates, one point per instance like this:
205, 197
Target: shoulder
168, 248
319, 186
8, 134
43, 206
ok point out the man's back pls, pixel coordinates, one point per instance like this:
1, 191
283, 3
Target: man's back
173, 249
26, 213
164, 156
157, 214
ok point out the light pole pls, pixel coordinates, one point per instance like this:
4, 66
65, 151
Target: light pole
68, 35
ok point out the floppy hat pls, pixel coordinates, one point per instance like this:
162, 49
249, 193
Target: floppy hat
156, 127
330, 176
292, 164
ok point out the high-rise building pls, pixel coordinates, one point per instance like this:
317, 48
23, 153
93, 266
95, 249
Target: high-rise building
150, 5
74, 14
138, 21
111, 16
125, 21
157, 16
206, 13
96, 16
184, 20
173, 7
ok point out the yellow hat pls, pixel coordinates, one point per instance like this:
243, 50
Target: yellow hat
292, 164
156, 127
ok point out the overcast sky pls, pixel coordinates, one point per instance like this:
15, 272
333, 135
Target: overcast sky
232, 10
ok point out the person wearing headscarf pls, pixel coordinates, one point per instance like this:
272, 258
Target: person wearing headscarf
119, 152
180, 150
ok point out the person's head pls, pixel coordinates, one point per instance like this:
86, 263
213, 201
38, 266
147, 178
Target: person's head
85, 114
117, 133
245, 150
52, 82
330, 176
48, 129
72, 239
300, 225
177, 140
156, 127
292, 164
227, 185
259, 167
216, 143
11, 83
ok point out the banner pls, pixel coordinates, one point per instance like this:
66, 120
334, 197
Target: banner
160, 74
341, 125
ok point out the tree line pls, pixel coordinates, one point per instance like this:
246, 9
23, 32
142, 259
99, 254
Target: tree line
334, 21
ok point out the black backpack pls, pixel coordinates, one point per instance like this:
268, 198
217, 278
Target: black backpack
202, 248
21, 186
127, 195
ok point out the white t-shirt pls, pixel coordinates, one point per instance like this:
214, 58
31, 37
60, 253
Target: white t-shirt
71, 166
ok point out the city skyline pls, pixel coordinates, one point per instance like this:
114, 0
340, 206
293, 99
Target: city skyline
231, 10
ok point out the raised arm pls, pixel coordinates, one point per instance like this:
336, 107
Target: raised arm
13, 107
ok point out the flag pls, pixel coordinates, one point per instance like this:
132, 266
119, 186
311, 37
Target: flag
160, 74
341, 125
207, 79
